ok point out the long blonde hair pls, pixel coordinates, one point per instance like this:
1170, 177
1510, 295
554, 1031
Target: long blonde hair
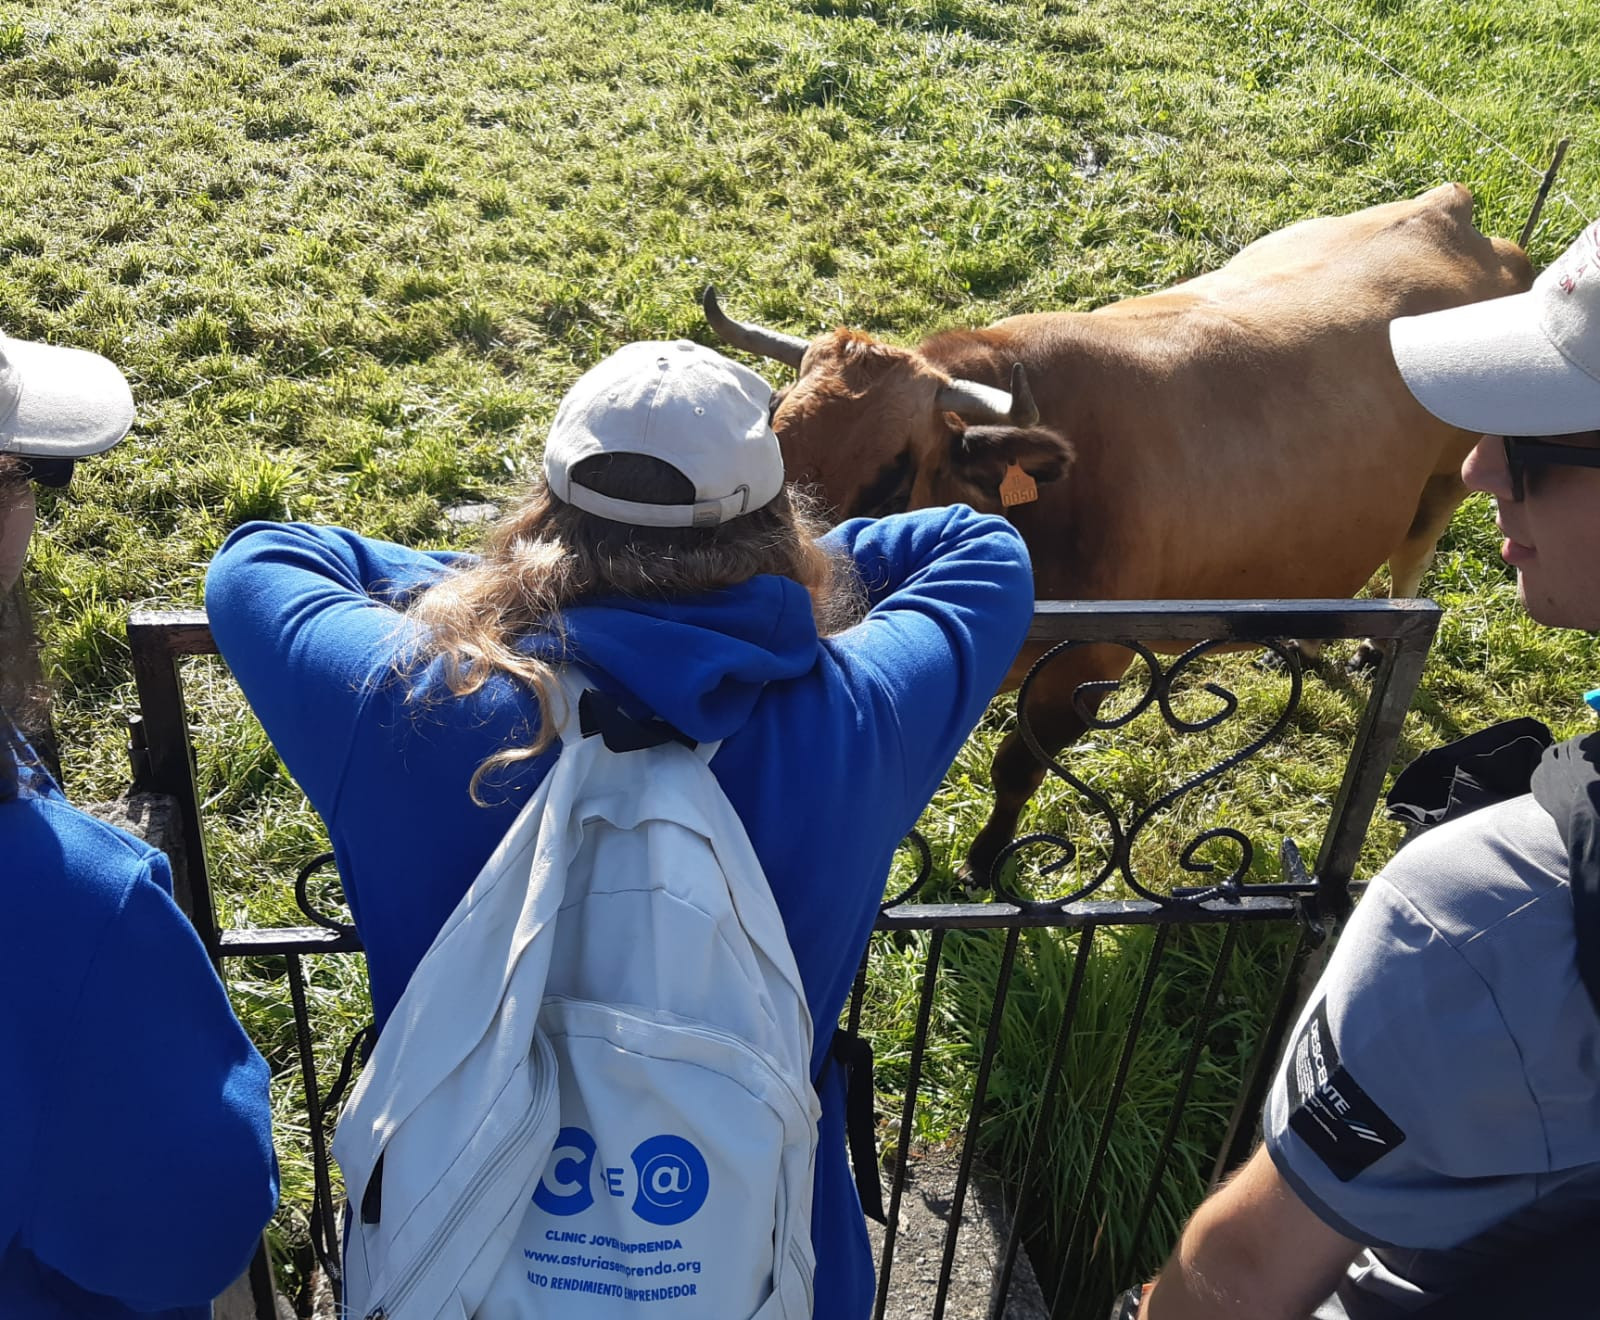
547, 555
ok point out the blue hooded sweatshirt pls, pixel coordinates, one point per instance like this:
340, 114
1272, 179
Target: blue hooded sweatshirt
136, 1164
831, 746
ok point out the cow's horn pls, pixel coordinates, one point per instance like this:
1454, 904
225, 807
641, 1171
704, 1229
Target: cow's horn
980, 404
752, 338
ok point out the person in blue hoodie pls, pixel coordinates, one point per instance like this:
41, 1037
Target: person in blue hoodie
136, 1162
663, 551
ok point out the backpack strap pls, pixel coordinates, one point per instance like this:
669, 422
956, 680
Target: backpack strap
853, 1053
588, 712
620, 731
1485, 767
1567, 785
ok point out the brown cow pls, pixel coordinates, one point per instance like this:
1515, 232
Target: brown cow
1244, 435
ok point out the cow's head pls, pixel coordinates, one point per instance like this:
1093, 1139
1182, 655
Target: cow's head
876, 429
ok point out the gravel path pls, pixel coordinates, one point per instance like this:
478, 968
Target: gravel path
919, 1248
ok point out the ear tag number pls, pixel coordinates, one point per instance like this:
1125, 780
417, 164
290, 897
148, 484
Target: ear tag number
1017, 487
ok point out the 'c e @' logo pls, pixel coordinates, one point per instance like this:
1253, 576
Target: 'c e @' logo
564, 1189
673, 1180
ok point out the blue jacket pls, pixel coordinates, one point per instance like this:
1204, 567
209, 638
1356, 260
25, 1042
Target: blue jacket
136, 1164
831, 747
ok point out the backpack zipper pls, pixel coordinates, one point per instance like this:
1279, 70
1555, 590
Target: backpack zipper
502, 1154
728, 1038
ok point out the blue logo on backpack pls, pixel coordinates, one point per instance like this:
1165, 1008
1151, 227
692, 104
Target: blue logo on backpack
673, 1180
564, 1189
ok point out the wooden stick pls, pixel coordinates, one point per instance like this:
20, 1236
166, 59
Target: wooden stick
1544, 191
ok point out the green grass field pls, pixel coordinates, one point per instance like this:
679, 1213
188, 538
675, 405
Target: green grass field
351, 254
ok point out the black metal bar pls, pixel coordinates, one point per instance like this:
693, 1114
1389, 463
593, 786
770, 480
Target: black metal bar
154, 644
1090, 620
980, 1091
1202, 1028
1230, 620
1039, 1140
1394, 686
138, 754
184, 632
1299, 977
263, 1291
326, 1243
1282, 903
325, 1219
858, 995
286, 939
1300, 973
908, 1113
1091, 1183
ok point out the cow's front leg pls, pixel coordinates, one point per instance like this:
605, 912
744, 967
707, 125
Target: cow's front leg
1016, 775
1441, 497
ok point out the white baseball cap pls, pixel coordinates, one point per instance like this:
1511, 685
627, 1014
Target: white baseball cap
1528, 364
60, 402
679, 402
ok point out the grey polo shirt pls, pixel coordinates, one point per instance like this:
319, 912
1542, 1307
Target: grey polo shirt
1440, 1099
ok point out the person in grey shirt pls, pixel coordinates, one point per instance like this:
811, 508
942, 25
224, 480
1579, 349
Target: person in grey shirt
1438, 1111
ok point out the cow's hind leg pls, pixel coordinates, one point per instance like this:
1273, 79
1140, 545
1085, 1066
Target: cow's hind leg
1056, 720
1441, 497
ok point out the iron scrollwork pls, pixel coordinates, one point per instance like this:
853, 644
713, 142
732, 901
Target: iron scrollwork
919, 846
1161, 687
303, 900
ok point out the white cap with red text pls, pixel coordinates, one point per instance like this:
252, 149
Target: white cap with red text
1528, 364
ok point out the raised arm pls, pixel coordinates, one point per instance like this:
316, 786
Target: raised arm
305, 617
951, 595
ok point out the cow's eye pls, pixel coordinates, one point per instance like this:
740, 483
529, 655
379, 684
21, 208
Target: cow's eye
889, 491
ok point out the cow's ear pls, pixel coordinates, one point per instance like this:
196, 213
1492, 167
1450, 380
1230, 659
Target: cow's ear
981, 454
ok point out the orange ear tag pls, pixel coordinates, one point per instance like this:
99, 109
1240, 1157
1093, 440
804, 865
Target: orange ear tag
1017, 487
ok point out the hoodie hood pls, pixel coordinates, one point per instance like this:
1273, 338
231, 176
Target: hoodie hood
698, 662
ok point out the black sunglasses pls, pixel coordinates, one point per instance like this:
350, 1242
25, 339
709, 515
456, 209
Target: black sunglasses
54, 472
1523, 452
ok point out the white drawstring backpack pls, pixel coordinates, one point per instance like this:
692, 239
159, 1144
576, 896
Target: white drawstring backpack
593, 1098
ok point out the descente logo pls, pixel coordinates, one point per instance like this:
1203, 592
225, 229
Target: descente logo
666, 1177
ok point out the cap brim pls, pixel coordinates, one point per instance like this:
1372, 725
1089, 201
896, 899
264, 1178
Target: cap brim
1489, 367
72, 403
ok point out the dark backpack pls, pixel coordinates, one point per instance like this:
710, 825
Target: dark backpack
1505, 761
